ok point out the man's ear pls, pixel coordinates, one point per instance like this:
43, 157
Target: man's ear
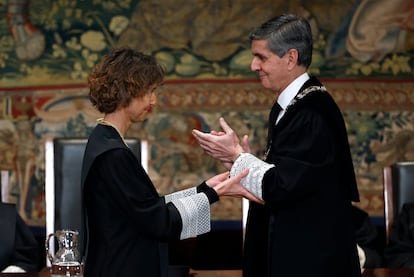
292, 56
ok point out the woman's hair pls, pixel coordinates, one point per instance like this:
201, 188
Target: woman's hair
123, 75
286, 32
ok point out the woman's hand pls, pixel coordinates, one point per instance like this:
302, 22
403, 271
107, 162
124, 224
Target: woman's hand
215, 180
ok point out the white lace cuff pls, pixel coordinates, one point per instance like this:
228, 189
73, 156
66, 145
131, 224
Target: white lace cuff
362, 256
13, 269
180, 194
257, 168
195, 215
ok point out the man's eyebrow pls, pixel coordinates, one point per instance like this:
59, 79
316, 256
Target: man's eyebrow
261, 56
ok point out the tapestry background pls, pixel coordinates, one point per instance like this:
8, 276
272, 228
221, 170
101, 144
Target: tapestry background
364, 53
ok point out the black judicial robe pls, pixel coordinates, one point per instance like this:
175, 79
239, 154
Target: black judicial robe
305, 227
128, 223
18, 245
399, 251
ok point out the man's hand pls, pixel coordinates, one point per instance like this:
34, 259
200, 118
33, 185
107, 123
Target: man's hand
224, 146
245, 144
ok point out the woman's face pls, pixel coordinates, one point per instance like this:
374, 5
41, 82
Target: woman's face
140, 107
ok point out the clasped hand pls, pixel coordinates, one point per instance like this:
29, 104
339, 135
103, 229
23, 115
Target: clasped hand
223, 146
225, 186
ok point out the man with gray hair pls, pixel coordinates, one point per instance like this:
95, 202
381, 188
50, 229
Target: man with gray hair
306, 179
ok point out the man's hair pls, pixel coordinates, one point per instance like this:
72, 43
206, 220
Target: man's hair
285, 32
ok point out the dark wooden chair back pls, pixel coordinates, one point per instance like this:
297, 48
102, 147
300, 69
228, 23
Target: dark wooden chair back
398, 189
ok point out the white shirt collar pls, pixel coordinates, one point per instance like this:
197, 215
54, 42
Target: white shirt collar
291, 90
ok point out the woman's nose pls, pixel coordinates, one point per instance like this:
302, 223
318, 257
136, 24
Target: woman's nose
153, 99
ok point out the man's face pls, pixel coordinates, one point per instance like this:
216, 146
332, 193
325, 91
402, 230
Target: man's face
272, 70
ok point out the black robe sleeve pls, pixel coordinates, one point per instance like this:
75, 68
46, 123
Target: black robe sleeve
18, 246
367, 237
399, 251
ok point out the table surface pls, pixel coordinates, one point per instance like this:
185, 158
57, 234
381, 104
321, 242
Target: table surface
389, 272
377, 272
